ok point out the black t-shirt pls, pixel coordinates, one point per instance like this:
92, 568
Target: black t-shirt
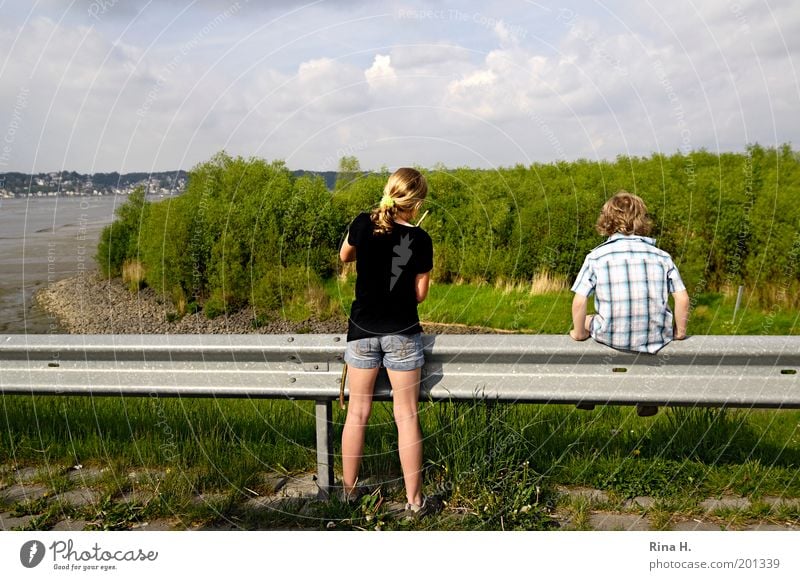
387, 266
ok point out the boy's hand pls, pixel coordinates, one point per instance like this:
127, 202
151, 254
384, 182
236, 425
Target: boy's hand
579, 321
579, 336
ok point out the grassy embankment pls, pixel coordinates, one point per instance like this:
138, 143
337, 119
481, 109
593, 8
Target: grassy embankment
497, 467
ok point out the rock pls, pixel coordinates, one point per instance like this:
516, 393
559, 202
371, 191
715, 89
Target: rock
273, 481
19, 492
304, 486
613, 522
734, 503
79, 497
25, 474
790, 502
69, 525
765, 527
114, 309
696, 526
7, 522
592, 495
644, 502
152, 526
85, 476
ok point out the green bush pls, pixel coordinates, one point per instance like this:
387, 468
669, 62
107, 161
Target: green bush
120, 240
727, 219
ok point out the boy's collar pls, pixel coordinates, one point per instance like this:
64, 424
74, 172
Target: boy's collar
619, 236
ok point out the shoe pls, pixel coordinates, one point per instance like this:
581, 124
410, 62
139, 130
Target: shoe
585, 406
414, 512
354, 497
646, 410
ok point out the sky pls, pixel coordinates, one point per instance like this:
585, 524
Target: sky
138, 85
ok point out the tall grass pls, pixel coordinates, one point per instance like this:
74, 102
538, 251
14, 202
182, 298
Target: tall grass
516, 307
498, 464
468, 446
133, 274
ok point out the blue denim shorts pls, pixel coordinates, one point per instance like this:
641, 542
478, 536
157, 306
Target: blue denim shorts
397, 352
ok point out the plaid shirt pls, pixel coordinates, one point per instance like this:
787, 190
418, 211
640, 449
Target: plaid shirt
631, 280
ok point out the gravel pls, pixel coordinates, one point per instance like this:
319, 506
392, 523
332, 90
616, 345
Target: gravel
88, 304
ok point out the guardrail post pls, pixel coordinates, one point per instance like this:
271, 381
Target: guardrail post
324, 415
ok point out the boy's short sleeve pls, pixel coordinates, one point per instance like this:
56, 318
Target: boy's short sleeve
586, 280
358, 229
674, 280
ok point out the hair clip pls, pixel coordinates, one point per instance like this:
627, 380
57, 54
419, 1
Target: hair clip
387, 201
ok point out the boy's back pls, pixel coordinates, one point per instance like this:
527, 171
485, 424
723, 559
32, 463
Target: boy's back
631, 279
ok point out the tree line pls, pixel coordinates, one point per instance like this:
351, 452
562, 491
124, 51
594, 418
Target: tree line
249, 231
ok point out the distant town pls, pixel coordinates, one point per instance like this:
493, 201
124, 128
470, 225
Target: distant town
70, 183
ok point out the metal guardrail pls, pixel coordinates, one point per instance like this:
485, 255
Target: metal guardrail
721, 371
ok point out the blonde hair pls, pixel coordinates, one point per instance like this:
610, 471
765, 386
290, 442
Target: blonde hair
625, 213
404, 193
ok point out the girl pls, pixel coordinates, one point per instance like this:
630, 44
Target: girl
393, 264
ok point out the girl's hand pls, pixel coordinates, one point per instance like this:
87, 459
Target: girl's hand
421, 285
348, 252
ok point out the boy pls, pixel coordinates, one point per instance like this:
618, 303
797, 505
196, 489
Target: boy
631, 280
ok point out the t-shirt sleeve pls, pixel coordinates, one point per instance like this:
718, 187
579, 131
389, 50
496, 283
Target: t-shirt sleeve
674, 280
425, 255
586, 280
358, 229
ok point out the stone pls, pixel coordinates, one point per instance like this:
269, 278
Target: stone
70, 525
304, 486
790, 502
593, 495
23, 492
9, 522
26, 474
612, 522
85, 476
765, 527
79, 497
644, 502
696, 526
729, 502
274, 481
152, 526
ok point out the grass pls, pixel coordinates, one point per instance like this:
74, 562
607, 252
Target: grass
515, 308
496, 466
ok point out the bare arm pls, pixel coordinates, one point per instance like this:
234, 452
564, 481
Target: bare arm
681, 313
579, 331
421, 284
348, 252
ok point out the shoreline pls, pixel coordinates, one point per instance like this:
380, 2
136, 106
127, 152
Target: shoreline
87, 304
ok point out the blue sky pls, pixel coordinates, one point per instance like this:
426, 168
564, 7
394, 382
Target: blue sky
148, 86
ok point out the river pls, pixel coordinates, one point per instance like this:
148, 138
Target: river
43, 240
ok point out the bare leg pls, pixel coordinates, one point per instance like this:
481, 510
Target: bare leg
362, 383
405, 393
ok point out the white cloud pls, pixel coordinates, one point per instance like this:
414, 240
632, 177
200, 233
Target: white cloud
381, 75
643, 78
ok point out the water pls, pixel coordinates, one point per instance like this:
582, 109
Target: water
43, 240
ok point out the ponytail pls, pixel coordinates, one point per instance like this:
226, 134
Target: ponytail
404, 192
